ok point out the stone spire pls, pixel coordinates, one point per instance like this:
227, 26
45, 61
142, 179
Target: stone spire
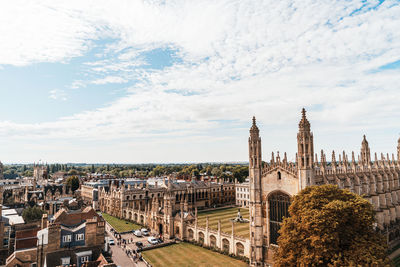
305, 152
254, 131
304, 124
365, 152
254, 146
398, 149
305, 143
256, 224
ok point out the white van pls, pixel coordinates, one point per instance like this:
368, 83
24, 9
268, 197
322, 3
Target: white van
138, 233
144, 232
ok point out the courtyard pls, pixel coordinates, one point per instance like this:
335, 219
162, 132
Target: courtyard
120, 225
225, 215
185, 254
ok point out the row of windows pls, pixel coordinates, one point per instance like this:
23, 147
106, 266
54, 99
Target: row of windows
242, 189
78, 237
242, 195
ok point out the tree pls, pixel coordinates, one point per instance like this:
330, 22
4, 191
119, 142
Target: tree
73, 182
329, 226
32, 214
241, 173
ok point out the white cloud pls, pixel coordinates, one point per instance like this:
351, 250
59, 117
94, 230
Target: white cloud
58, 94
110, 79
238, 58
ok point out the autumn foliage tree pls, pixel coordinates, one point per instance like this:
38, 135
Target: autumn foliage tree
329, 226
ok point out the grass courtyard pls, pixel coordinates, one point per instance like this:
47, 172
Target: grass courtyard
184, 254
120, 225
225, 215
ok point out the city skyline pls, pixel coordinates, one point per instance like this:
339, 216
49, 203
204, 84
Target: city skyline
179, 81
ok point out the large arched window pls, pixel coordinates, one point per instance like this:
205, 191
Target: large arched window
278, 208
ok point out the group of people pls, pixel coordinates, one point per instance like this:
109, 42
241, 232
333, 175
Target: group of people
122, 243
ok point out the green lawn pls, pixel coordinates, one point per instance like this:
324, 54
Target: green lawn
185, 254
120, 225
225, 215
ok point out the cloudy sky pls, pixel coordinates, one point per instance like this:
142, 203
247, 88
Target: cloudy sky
178, 81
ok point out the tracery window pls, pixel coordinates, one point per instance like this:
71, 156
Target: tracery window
278, 208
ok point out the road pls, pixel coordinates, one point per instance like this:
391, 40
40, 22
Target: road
119, 256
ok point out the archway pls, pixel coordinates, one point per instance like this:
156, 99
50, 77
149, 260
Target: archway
191, 234
201, 238
213, 241
279, 203
225, 245
239, 249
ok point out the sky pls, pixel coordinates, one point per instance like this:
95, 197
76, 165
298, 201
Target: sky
179, 81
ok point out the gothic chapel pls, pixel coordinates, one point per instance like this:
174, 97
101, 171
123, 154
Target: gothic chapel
273, 183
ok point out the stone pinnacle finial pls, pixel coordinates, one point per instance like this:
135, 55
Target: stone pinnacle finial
304, 124
254, 128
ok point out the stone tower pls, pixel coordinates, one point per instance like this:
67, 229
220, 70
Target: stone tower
365, 152
169, 201
398, 150
256, 221
305, 152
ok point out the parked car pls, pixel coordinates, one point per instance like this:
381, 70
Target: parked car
159, 240
139, 244
138, 233
111, 242
145, 232
152, 240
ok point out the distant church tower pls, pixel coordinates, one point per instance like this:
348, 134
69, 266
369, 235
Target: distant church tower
398, 150
365, 152
256, 221
305, 152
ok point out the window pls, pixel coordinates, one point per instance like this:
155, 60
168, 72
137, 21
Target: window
79, 237
66, 261
67, 238
278, 208
279, 176
84, 259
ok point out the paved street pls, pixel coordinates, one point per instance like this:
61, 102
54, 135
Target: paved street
118, 254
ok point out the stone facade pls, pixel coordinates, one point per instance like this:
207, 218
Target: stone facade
158, 207
227, 242
242, 194
273, 183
